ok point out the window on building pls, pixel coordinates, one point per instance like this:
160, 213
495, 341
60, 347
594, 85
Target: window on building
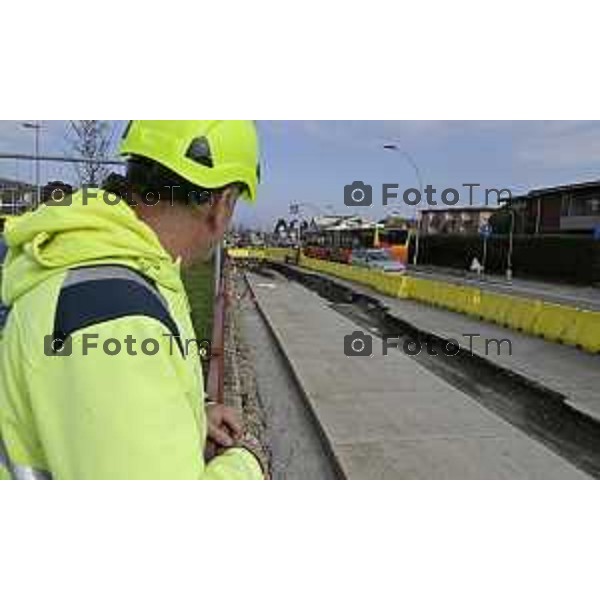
585, 205
593, 206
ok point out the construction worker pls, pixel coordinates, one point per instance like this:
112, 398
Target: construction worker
98, 379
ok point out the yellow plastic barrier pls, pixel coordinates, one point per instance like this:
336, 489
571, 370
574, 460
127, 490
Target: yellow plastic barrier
464, 299
446, 295
380, 281
554, 322
493, 307
474, 301
256, 253
586, 331
442, 294
392, 284
430, 292
383, 284
421, 290
280, 254
403, 289
523, 314
238, 252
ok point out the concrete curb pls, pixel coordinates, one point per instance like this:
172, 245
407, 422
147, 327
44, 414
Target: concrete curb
297, 379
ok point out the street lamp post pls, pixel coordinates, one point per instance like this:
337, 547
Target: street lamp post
396, 148
296, 210
509, 270
36, 126
299, 205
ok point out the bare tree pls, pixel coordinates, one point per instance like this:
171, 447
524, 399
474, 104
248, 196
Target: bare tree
91, 140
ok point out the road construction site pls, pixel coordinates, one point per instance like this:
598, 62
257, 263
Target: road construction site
472, 413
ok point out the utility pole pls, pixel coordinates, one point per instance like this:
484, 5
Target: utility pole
509, 269
396, 148
51, 158
295, 211
36, 126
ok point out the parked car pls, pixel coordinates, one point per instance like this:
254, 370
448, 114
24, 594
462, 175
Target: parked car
377, 259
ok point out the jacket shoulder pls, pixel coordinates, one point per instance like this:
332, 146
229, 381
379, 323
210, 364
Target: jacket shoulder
94, 295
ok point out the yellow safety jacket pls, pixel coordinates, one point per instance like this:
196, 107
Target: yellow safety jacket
99, 374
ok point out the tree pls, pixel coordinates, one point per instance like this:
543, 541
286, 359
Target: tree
91, 140
500, 221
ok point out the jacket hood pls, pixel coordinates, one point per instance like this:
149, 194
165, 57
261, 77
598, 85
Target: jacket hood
90, 230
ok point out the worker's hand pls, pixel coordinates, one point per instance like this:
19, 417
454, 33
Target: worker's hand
224, 425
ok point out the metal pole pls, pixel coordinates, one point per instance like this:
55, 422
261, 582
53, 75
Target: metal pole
485, 243
37, 164
296, 210
411, 160
218, 268
68, 159
36, 126
414, 165
510, 246
417, 239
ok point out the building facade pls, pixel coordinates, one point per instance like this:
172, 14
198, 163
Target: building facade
565, 209
462, 220
15, 196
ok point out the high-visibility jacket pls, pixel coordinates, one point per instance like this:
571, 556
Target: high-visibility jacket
79, 280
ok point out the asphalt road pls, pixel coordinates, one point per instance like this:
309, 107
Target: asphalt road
581, 296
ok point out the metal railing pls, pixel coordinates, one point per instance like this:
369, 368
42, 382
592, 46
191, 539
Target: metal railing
215, 385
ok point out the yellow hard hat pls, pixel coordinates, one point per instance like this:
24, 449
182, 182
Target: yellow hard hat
209, 154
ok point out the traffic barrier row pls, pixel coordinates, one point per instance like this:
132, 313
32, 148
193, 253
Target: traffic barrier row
391, 285
554, 322
272, 254
280, 254
247, 253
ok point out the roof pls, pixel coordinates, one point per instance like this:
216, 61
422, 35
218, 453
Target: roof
14, 184
559, 189
460, 209
583, 185
342, 222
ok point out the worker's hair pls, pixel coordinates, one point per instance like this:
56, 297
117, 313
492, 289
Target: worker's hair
152, 181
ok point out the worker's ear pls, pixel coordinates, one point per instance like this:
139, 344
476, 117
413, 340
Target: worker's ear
220, 209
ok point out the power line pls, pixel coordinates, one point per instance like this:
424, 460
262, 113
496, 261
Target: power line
63, 159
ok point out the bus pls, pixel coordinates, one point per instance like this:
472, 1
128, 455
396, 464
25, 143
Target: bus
336, 243
397, 241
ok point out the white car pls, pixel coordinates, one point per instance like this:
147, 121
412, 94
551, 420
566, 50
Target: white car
377, 259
